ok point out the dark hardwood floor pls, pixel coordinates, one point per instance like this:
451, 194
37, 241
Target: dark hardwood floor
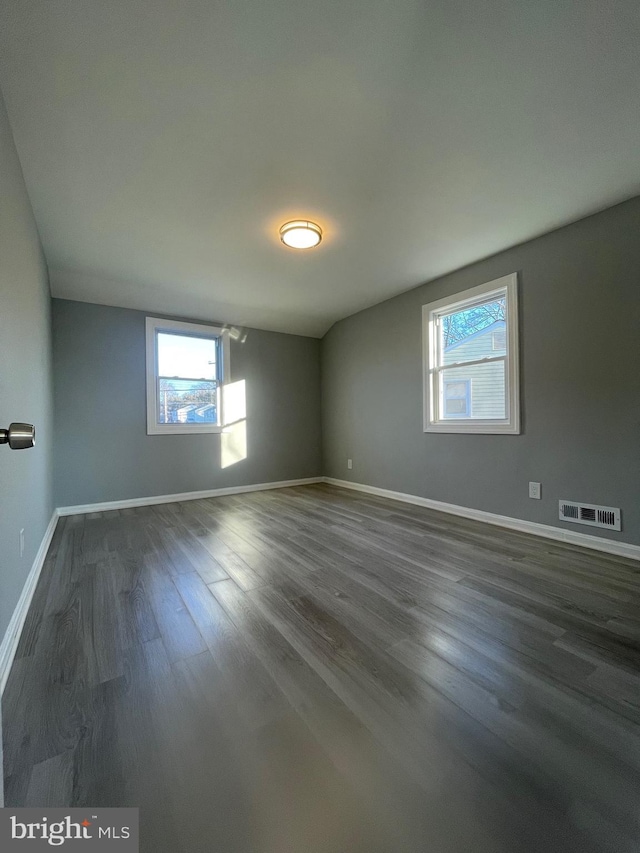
322, 671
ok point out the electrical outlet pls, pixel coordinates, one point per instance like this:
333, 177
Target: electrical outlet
349, 464
535, 491
22, 542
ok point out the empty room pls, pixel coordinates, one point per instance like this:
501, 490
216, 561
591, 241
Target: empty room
320, 426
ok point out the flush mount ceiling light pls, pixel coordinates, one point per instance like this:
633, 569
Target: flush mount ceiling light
300, 234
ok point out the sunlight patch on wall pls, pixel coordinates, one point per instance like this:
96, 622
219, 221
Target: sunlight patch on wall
234, 402
233, 445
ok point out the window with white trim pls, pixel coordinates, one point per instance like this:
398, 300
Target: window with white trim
187, 366
471, 379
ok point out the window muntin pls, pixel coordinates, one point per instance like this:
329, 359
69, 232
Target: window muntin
471, 357
187, 364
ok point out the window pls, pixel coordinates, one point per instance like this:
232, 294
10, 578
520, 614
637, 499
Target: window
499, 339
187, 365
471, 360
457, 398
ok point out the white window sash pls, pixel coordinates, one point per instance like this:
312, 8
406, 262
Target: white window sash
488, 360
155, 325
433, 366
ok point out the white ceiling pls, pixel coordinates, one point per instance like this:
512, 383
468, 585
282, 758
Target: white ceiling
164, 141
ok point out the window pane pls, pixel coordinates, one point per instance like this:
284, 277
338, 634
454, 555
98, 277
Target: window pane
184, 401
475, 392
473, 333
187, 357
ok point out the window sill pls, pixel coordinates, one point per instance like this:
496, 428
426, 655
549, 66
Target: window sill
184, 429
474, 429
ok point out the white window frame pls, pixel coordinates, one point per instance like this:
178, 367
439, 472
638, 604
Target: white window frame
155, 325
506, 286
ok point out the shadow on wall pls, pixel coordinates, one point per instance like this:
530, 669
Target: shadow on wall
233, 444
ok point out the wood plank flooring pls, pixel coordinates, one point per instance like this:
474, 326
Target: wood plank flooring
318, 670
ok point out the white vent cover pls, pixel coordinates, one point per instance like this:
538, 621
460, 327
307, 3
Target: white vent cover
591, 514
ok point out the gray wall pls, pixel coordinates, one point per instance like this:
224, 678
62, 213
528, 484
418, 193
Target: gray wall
25, 378
102, 450
580, 392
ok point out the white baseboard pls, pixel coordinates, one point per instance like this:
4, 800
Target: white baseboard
11, 638
183, 496
620, 549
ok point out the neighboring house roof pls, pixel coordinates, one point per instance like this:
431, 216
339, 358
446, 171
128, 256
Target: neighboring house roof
498, 324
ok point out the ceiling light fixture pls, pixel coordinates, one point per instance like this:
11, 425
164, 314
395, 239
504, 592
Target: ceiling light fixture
300, 234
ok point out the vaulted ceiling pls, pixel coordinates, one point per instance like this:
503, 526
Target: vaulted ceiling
164, 141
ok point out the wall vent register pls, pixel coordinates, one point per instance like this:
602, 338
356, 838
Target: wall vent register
591, 514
